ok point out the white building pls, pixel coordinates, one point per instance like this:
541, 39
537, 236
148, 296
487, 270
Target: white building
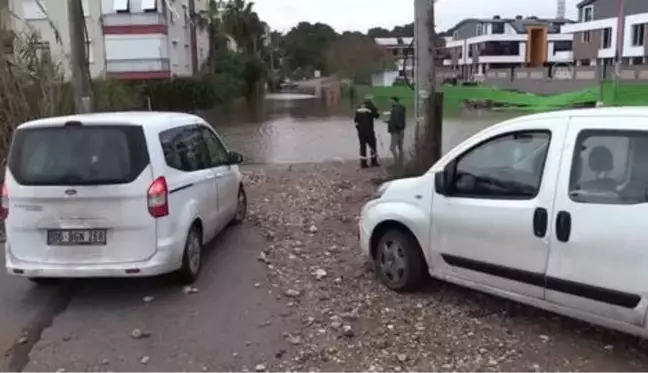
127, 39
401, 49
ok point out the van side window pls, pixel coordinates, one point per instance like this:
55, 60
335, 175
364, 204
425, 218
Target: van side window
508, 166
610, 167
184, 149
217, 151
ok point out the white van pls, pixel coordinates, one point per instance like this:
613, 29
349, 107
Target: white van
117, 195
547, 209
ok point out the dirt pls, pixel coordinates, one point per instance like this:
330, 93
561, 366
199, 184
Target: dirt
350, 322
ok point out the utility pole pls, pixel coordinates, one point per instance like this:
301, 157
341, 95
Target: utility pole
433, 117
618, 57
79, 57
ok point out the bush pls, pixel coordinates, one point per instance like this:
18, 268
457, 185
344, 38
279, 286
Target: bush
189, 94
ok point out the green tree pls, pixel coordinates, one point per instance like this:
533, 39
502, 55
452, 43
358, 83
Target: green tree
305, 46
356, 56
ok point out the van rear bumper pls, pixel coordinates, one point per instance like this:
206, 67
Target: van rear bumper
162, 262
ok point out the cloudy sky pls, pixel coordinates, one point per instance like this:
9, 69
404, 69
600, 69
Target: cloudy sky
363, 14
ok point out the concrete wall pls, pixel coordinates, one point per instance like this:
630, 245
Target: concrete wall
563, 79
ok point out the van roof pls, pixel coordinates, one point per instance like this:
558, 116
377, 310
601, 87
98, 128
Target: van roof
629, 111
143, 118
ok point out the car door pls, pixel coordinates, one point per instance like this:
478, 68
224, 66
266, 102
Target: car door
491, 226
599, 254
189, 176
226, 178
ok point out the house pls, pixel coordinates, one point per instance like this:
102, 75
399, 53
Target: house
401, 49
596, 34
475, 45
127, 39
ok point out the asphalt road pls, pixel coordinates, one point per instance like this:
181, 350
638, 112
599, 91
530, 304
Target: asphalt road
235, 321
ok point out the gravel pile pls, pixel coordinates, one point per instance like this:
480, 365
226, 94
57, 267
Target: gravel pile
308, 213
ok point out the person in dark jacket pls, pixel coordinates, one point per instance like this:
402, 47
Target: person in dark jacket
396, 128
364, 120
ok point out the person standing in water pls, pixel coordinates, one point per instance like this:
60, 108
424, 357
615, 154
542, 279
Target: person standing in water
396, 129
364, 121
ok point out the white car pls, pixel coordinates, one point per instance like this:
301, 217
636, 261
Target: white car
548, 209
117, 195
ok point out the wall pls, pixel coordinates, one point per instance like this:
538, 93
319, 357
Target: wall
538, 80
57, 12
587, 50
610, 8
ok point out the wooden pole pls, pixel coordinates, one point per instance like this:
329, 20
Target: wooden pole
79, 57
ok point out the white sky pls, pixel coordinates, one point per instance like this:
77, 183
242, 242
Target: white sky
361, 15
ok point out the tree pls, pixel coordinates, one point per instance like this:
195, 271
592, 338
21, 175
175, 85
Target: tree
305, 46
378, 32
356, 56
210, 21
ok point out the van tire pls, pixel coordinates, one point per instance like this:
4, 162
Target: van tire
241, 207
191, 257
409, 275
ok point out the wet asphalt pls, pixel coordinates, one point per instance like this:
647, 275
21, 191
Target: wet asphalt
235, 320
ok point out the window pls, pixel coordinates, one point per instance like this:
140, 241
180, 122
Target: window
498, 28
33, 9
587, 13
610, 167
78, 155
587, 36
149, 5
638, 33
506, 167
217, 152
184, 149
606, 40
501, 48
455, 35
562, 46
121, 6
480, 29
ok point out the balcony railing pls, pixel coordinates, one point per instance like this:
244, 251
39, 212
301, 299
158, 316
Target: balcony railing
133, 19
138, 65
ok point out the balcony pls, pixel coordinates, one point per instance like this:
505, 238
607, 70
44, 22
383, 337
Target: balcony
140, 68
134, 23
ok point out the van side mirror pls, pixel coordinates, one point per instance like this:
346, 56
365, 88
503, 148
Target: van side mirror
443, 180
235, 158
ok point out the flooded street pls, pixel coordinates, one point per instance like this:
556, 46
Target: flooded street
296, 128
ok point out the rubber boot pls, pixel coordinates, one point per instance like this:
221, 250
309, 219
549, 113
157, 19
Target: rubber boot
363, 164
374, 162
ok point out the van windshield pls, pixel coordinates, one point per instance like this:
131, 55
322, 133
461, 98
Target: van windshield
90, 155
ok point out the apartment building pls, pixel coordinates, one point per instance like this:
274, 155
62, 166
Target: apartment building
398, 48
475, 45
127, 39
596, 35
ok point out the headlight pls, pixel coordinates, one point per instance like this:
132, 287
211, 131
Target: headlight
380, 191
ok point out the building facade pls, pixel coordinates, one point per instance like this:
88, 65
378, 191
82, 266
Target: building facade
474, 46
606, 28
127, 39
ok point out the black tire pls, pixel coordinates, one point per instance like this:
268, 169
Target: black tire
399, 262
241, 207
45, 281
188, 273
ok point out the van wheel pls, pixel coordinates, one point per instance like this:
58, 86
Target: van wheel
192, 257
399, 261
45, 281
241, 207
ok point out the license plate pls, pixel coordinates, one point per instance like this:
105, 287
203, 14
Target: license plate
69, 237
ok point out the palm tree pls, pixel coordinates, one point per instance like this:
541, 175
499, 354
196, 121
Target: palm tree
210, 21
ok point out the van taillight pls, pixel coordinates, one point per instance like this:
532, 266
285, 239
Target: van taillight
158, 198
4, 203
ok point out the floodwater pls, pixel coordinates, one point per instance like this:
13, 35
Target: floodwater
296, 128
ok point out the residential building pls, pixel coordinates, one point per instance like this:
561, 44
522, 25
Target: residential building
596, 34
401, 49
127, 39
475, 45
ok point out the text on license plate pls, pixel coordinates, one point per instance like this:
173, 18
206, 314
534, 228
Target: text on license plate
61, 237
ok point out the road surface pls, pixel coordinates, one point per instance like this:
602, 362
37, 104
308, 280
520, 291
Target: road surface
234, 322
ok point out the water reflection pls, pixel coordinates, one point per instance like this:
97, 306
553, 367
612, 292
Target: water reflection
290, 128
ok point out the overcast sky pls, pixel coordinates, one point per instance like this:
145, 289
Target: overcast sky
360, 15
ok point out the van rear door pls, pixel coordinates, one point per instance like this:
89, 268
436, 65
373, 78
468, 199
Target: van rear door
78, 195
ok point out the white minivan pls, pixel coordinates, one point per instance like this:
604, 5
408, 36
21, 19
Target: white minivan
548, 209
117, 195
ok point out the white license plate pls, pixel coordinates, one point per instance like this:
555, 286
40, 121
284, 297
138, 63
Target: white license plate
74, 237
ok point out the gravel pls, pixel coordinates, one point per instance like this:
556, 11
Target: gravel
308, 214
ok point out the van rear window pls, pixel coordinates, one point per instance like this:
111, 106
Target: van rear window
91, 155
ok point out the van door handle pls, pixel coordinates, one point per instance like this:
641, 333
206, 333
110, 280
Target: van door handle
563, 226
540, 222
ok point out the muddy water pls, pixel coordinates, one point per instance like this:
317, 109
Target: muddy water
294, 128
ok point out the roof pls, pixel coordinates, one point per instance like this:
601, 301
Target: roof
389, 42
518, 24
584, 3
144, 118
628, 111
